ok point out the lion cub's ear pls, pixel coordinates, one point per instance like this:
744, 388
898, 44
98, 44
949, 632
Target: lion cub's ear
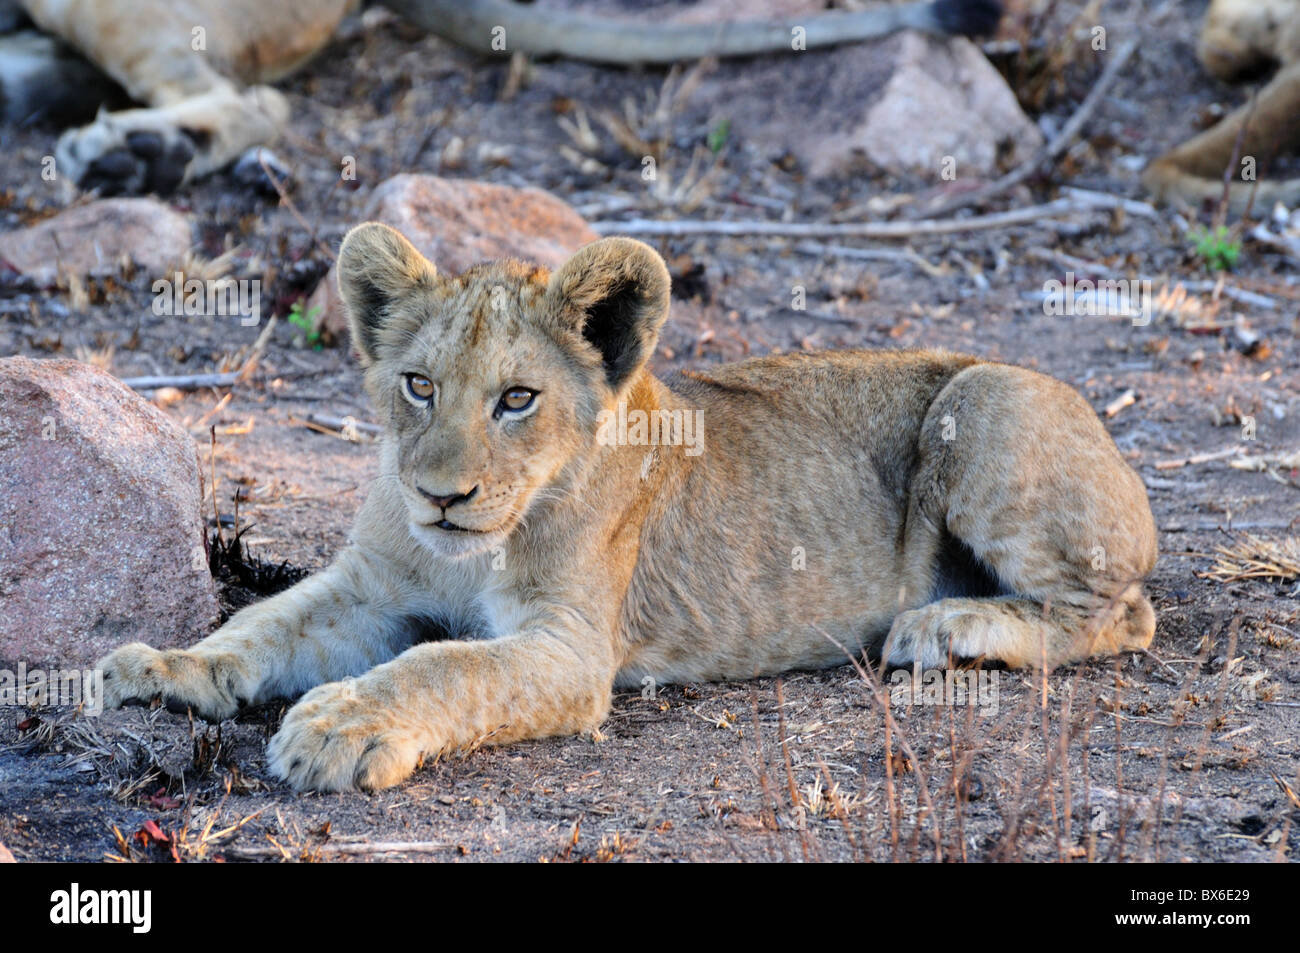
378, 267
615, 293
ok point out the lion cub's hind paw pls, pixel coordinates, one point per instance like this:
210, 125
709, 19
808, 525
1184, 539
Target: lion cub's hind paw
1003, 630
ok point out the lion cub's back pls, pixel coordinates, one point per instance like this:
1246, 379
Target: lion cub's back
873, 398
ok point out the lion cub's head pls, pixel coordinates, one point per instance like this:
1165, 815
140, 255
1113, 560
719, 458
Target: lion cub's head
492, 380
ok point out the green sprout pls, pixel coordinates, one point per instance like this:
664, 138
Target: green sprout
1217, 248
306, 322
718, 136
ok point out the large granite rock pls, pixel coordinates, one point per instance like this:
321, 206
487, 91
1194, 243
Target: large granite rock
101, 537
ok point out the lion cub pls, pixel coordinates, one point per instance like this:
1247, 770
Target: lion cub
552, 521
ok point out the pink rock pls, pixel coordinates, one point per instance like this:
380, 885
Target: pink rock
97, 237
6, 856
456, 223
101, 538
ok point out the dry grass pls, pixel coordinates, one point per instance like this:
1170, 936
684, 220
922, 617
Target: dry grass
643, 130
1254, 557
1075, 766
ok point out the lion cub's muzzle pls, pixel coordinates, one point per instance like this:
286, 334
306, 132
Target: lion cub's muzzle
448, 510
444, 502
457, 523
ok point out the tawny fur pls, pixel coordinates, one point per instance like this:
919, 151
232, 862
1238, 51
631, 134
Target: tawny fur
1240, 38
813, 518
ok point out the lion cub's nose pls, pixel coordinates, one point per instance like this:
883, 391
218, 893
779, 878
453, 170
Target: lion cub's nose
442, 502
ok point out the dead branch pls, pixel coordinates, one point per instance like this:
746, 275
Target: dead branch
339, 423
378, 847
1220, 287
345, 428
182, 381
221, 405
1076, 202
259, 348
1197, 458
1217, 527
1286, 460
1126, 399
1106, 200
204, 381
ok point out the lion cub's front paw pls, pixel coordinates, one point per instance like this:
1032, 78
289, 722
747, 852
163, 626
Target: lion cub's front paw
336, 739
139, 674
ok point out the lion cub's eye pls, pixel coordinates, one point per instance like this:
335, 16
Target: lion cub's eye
516, 399
419, 388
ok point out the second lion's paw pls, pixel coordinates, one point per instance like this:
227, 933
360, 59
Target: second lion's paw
130, 153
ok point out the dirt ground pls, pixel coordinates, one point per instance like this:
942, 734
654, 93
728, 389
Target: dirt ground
1189, 752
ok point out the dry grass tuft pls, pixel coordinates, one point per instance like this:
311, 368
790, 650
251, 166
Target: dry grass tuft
1253, 557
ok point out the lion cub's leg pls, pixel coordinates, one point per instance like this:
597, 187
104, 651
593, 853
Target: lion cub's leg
340, 622
370, 732
1029, 480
